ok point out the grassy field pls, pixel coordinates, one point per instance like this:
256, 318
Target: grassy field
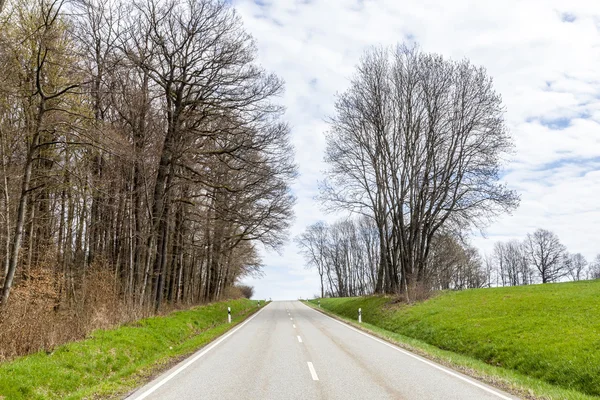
112, 362
550, 333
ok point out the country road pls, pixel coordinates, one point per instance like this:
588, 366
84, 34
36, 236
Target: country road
290, 351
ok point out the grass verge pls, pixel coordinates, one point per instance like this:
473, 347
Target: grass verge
530, 341
112, 362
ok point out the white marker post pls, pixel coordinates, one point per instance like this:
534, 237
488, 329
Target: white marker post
360, 315
319, 303
229, 314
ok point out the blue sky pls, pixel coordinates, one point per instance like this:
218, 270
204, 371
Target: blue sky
544, 56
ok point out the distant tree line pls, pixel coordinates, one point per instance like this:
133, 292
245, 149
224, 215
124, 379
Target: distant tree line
141, 138
539, 258
345, 255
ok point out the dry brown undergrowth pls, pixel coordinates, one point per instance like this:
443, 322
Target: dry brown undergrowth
42, 313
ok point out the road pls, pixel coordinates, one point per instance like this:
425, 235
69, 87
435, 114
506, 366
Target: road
290, 351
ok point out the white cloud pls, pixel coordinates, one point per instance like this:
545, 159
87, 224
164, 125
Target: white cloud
544, 56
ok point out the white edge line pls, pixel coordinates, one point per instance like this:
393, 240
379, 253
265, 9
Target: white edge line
299, 339
408, 353
195, 358
313, 373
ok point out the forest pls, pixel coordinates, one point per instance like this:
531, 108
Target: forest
144, 160
345, 255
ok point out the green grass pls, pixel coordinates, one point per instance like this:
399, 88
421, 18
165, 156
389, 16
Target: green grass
543, 338
111, 362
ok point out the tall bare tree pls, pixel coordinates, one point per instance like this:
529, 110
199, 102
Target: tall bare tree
313, 245
417, 143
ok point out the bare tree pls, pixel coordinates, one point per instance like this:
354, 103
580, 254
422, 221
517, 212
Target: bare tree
511, 263
545, 253
594, 270
46, 86
575, 264
416, 143
202, 65
445, 257
313, 245
489, 270
345, 254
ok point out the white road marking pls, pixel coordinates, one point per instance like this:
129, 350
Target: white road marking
313, 373
294, 325
423, 360
299, 339
291, 319
195, 358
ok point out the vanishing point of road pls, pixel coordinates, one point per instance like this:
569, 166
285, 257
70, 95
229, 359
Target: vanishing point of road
290, 351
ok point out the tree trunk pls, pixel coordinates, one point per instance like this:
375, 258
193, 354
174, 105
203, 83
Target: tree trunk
22, 207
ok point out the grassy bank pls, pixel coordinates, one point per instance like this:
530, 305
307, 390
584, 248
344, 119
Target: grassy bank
112, 362
543, 337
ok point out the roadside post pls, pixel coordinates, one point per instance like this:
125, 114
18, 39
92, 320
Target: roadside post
229, 314
360, 315
319, 303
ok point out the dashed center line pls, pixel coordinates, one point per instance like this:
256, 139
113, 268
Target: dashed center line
294, 325
313, 373
299, 339
291, 319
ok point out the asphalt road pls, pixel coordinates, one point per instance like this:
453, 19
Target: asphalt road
290, 351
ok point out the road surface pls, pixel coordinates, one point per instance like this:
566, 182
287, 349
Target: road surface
290, 351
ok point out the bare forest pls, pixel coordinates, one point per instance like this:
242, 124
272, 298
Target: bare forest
143, 161
345, 254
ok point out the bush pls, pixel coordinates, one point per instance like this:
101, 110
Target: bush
247, 291
40, 315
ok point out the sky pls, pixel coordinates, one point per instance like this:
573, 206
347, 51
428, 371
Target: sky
544, 57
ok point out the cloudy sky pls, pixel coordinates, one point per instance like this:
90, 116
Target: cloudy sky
544, 57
